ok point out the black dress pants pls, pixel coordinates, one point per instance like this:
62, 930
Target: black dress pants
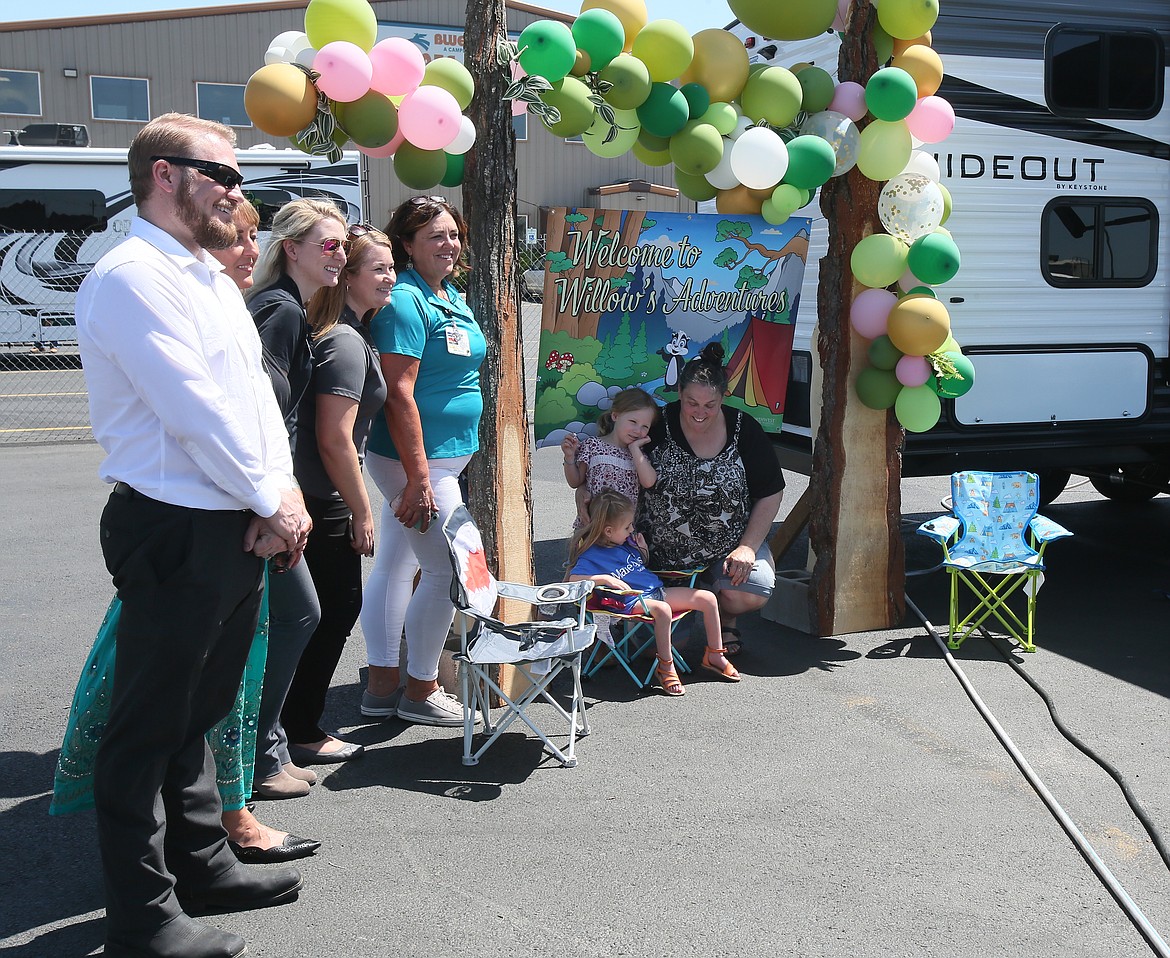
337, 578
190, 602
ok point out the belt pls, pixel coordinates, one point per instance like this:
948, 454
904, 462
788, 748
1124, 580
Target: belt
127, 491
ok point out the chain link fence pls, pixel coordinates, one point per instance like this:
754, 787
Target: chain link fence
42, 388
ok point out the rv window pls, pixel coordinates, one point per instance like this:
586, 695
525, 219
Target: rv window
222, 102
73, 211
269, 201
1085, 241
20, 93
1100, 73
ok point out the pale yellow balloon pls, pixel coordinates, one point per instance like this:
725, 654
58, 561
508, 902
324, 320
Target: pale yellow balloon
720, 64
632, 14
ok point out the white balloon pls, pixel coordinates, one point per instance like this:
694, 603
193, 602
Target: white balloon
306, 56
759, 159
742, 125
464, 139
276, 54
910, 206
722, 177
925, 164
285, 39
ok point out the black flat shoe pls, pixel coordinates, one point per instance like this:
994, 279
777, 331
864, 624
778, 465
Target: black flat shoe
291, 848
241, 889
347, 752
181, 937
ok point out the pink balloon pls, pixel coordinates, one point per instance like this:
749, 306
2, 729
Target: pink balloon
913, 370
932, 119
849, 98
345, 71
384, 152
870, 311
429, 118
398, 66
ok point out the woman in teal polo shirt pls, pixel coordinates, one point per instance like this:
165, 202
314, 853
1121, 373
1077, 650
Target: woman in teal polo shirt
430, 348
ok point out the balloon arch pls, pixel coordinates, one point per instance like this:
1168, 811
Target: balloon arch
757, 139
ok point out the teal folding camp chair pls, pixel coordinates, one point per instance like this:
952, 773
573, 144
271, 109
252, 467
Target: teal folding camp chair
637, 635
989, 545
539, 651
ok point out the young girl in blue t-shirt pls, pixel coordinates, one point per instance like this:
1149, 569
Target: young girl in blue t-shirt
607, 550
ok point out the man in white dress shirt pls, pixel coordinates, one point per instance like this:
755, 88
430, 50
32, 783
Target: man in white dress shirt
204, 493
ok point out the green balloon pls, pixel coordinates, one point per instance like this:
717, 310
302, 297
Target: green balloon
371, 120
883, 43
455, 167
772, 94
655, 144
694, 187
787, 199
917, 408
877, 388
878, 260
419, 169
350, 20
571, 97
665, 111
907, 19
883, 354
934, 258
631, 82
722, 116
698, 99
772, 213
600, 34
452, 76
818, 88
697, 148
626, 129
811, 161
785, 19
547, 49
946, 203
665, 47
953, 387
651, 157
891, 94
920, 291
883, 149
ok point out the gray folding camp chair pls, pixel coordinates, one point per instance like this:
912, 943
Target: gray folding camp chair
539, 651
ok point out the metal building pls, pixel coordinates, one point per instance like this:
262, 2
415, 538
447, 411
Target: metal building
113, 73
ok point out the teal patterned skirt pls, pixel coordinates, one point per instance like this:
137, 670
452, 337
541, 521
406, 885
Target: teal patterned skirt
232, 741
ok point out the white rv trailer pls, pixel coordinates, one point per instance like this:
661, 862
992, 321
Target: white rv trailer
1059, 168
61, 208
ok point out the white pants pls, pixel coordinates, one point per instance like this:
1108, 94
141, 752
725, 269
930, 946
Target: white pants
389, 604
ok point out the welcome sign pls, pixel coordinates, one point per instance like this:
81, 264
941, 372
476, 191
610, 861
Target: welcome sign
630, 296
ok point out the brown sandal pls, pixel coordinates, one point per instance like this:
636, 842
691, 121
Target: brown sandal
728, 674
668, 678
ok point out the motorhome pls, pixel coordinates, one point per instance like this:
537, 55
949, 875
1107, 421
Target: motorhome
61, 208
1059, 170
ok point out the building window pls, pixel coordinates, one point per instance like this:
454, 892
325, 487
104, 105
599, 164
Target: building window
1103, 73
520, 126
222, 102
20, 93
120, 98
1086, 241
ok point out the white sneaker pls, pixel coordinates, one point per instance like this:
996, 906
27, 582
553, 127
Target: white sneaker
438, 708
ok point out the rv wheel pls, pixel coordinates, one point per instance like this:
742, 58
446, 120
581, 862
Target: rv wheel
1052, 483
1139, 482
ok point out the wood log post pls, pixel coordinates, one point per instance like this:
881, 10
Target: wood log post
857, 561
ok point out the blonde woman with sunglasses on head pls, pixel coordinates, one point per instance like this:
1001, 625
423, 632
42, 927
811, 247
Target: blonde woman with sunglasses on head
305, 252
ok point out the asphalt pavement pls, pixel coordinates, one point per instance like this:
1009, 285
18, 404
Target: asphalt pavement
844, 800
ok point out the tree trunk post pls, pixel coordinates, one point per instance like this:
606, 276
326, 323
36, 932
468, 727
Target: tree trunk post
858, 569
499, 476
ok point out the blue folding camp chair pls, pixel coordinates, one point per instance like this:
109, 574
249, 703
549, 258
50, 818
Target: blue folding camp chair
539, 651
637, 636
989, 544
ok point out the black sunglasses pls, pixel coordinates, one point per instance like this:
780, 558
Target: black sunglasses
426, 200
224, 175
363, 229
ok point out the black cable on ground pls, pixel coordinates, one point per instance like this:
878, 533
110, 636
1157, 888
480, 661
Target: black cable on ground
1135, 806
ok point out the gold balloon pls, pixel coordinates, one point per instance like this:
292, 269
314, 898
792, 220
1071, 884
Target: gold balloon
924, 65
632, 13
720, 64
918, 324
280, 100
740, 201
900, 46
582, 66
